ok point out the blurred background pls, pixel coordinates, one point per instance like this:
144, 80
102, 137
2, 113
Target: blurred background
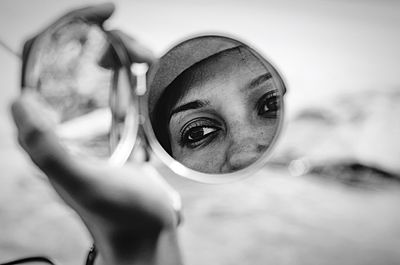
330, 193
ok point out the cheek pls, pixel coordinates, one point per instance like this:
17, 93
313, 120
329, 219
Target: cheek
265, 132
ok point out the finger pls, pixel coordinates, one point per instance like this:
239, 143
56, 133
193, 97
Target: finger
35, 131
71, 179
96, 14
110, 59
136, 52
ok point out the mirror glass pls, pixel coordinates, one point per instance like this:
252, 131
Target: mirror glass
215, 104
71, 67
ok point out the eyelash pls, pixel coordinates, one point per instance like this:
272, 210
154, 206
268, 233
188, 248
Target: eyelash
199, 124
269, 100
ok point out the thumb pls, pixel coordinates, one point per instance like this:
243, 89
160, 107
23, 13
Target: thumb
136, 52
35, 130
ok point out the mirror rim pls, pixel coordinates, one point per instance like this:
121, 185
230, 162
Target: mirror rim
211, 178
125, 145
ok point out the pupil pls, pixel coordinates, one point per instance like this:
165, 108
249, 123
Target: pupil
196, 133
272, 104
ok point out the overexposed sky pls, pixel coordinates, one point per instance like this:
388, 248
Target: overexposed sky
322, 47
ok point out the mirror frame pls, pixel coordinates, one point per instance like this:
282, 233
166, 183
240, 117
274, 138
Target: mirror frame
183, 171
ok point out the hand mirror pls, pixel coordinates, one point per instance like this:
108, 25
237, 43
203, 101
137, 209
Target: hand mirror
83, 78
211, 108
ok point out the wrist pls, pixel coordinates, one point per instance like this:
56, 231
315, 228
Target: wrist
162, 249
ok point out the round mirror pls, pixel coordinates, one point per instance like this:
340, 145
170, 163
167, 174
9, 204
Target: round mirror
215, 107
76, 69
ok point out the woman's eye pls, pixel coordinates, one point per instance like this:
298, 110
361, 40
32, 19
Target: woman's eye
268, 105
198, 133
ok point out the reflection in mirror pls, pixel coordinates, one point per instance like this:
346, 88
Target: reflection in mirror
63, 66
215, 104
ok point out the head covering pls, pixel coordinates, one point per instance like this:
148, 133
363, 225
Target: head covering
164, 81
180, 58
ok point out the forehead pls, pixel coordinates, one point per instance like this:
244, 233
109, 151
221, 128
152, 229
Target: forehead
232, 69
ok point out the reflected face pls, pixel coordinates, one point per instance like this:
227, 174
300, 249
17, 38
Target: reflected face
228, 113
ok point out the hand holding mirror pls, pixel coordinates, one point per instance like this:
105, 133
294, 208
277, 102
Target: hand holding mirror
211, 108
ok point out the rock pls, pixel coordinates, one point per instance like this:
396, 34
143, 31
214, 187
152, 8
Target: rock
363, 127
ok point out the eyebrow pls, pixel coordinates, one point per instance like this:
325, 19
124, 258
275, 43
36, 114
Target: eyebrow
259, 80
197, 104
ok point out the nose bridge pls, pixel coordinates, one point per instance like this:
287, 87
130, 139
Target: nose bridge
242, 131
245, 145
